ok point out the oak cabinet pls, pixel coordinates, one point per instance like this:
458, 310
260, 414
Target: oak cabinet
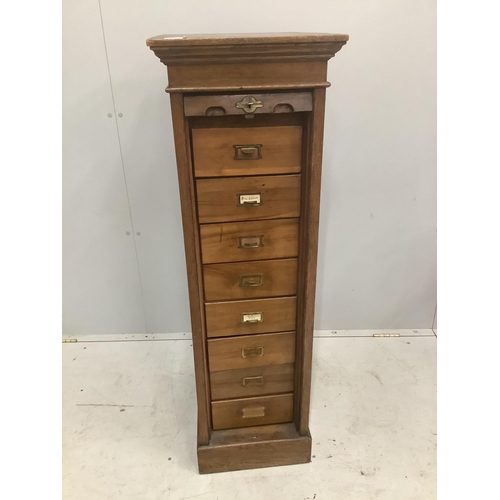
248, 114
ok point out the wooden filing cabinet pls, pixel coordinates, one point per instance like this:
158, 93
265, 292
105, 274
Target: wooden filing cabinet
248, 115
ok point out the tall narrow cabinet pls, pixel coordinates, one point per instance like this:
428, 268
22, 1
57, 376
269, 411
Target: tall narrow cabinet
248, 115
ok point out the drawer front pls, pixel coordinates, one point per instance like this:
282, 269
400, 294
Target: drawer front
241, 241
251, 351
244, 317
247, 151
248, 198
248, 412
246, 280
256, 381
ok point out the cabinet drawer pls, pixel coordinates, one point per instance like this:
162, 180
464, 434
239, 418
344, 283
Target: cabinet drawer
247, 412
250, 351
244, 317
241, 241
248, 198
247, 151
246, 280
255, 381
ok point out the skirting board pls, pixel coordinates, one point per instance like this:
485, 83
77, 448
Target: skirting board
121, 337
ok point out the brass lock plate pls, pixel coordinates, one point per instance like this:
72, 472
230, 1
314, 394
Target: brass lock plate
249, 104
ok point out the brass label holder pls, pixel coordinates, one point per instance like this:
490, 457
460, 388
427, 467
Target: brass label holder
249, 199
254, 412
257, 380
251, 280
247, 151
254, 241
253, 317
252, 352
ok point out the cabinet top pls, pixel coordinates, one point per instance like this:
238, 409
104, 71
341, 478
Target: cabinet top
257, 61
242, 39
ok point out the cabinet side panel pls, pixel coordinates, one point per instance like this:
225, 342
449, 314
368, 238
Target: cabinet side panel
193, 264
308, 252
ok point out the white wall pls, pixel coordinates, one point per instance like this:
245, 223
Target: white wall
377, 252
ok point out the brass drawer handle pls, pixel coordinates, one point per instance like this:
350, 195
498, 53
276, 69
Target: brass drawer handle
257, 317
251, 241
252, 352
252, 199
247, 151
254, 412
258, 380
251, 280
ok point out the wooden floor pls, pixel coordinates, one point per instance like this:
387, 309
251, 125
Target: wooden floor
129, 428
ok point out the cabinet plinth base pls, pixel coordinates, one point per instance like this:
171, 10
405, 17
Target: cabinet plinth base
253, 448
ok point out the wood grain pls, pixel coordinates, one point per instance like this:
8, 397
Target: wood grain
201, 104
216, 39
193, 265
254, 381
225, 318
227, 353
308, 254
254, 447
248, 88
253, 74
239, 121
217, 198
226, 242
224, 281
214, 153
260, 434
233, 413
